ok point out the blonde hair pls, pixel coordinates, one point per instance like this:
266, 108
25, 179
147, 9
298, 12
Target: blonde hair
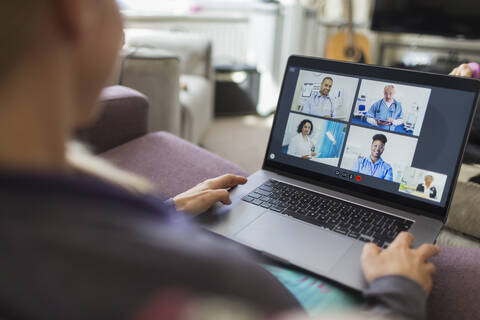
80, 158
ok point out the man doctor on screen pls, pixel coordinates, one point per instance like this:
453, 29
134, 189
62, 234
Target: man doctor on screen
320, 104
374, 165
386, 113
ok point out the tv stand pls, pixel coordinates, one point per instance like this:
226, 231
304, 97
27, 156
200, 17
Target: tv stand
447, 59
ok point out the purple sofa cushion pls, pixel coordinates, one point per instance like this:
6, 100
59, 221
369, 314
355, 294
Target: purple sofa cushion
173, 164
122, 117
456, 287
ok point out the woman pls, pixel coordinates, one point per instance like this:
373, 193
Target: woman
301, 145
428, 188
78, 246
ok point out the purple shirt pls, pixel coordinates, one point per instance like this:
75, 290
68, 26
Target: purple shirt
475, 69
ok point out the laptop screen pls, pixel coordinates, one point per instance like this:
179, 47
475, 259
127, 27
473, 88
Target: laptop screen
397, 134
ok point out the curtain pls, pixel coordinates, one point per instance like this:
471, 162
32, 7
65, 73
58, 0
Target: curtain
328, 149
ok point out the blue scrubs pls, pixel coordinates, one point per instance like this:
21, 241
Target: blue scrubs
380, 111
317, 105
379, 169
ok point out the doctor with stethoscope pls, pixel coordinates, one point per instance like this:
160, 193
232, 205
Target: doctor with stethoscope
386, 113
301, 145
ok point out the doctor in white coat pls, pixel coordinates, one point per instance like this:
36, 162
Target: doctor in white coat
301, 145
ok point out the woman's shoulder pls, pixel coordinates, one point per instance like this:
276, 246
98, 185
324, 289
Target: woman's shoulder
297, 136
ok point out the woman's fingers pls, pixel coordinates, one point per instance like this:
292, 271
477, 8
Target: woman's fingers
454, 72
462, 70
221, 195
431, 269
370, 250
426, 251
404, 239
205, 199
225, 181
206, 194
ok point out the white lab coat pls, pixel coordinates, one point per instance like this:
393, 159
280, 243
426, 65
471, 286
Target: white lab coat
299, 146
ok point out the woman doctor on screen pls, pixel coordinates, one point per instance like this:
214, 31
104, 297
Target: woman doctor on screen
301, 145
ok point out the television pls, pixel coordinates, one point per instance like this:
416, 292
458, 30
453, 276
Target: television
448, 18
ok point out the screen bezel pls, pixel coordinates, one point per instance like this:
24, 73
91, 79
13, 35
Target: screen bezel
388, 74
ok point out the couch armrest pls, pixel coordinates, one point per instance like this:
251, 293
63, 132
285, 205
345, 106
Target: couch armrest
122, 117
456, 285
464, 215
171, 163
156, 74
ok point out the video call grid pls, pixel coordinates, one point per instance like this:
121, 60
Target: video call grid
349, 124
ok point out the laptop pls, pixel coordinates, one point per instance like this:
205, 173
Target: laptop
356, 154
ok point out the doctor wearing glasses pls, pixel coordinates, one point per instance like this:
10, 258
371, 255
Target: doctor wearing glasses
374, 165
301, 145
386, 113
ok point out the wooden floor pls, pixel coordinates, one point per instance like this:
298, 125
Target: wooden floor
241, 139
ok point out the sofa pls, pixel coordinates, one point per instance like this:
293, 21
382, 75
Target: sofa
174, 165
174, 69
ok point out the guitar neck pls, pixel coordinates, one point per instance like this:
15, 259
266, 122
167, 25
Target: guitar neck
349, 10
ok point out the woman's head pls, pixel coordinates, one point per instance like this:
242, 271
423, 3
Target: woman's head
305, 127
18, 21
79, 37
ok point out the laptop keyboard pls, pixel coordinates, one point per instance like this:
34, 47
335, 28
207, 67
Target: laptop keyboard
329, 213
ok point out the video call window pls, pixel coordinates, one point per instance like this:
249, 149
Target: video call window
377, 153
423, 183
324, 95
314, 139
391, 107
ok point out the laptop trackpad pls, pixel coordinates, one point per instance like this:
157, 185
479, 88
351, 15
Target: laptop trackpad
297, 242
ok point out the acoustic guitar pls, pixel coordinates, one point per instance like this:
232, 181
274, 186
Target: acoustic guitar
347, 45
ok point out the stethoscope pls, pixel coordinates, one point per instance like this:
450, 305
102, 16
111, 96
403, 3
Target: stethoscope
389, 109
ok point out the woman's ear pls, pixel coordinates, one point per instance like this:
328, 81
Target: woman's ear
74, 17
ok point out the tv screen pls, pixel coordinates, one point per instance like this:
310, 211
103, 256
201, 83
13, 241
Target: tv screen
449, 18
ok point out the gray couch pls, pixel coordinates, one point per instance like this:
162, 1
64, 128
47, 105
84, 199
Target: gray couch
174, 165
157, 63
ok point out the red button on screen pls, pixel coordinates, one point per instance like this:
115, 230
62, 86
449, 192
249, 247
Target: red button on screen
358, 178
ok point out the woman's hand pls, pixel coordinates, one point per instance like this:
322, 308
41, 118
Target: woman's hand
204, 195
400, 259
462, 70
